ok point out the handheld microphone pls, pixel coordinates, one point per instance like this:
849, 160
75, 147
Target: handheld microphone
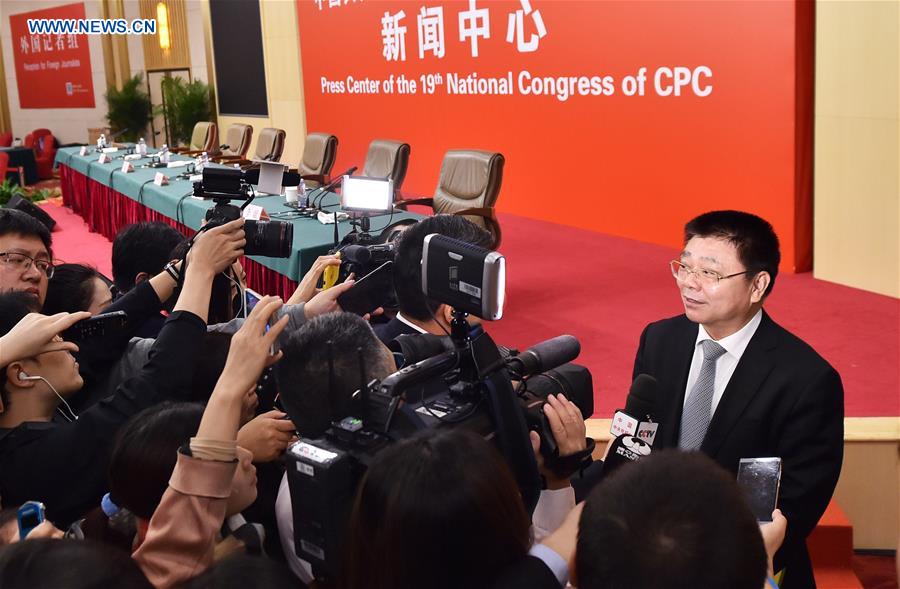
74, 416
545, 355
639, 406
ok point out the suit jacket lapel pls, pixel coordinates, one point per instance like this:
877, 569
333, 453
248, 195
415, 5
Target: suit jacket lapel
682, 354
752, 370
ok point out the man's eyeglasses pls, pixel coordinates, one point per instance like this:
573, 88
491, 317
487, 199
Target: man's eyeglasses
704, 276
24, 262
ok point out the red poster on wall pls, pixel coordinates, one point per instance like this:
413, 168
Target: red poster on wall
52, 71
625, 117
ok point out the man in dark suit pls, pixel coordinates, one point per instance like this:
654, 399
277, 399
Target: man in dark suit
734, 384
418, 314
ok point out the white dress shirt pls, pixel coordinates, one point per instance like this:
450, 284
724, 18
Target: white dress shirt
734, 345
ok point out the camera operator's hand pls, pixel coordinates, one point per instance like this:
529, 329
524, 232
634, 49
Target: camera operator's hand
36, 334
216, 249
773, 533
267, 436
326, 301
247, 357
567, 424
307, 287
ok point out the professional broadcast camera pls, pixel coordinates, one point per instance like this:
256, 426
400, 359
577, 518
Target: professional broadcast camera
222, 185
461, 380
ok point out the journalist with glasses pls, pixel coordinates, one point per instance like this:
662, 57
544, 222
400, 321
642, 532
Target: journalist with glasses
734, 384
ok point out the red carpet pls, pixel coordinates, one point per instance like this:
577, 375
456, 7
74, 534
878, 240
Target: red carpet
605, 289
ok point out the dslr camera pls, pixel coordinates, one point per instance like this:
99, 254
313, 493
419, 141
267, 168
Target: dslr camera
222, 185
463, 380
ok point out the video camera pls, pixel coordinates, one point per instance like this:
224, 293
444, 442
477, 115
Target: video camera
462, 380
222, 185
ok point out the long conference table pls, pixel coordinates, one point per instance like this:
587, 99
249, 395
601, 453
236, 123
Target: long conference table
109, 199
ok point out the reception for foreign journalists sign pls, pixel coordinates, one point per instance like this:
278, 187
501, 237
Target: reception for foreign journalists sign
617, 116
52, 70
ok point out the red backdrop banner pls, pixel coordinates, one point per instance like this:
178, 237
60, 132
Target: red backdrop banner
52, 71
625, 117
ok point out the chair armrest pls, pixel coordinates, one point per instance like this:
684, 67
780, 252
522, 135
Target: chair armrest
225, 158
404, 203
490, 217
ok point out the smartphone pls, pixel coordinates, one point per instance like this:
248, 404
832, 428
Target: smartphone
369, 292
30, 516
252, 297
97, 327
760, 479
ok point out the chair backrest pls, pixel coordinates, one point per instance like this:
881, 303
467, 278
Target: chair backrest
4, 165
205, 137
28, 141
319, 153
270, 144
469, 179
387, 159
6, 139
237, 138
42, 142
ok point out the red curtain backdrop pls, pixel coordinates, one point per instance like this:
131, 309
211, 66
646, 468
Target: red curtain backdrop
52, 71
583, 146
106, 212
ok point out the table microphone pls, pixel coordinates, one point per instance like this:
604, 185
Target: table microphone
323, 190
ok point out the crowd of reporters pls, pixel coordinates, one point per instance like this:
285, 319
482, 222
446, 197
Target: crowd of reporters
158, 449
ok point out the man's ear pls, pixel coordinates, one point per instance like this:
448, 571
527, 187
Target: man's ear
12, 376
759, 285
141, 277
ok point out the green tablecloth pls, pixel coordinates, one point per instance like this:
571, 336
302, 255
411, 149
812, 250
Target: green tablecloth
311, 238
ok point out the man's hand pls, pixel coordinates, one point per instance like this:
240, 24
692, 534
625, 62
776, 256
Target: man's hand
773, 535
326, 301
44, 530
566, 423
36, 334
249, 351
216, 249
267, 436
306, 290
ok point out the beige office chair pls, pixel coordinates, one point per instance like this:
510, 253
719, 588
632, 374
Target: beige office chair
319, 153
204, 138
269, 146
387, 159
469, 185
237, 141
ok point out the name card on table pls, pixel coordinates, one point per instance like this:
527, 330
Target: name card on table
104, 159
133, 156
161, 179
127, 167
83, 151
254, 213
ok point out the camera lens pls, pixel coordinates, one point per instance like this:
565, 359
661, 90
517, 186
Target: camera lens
268, 238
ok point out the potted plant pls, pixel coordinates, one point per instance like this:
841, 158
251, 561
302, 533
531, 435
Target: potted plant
129, 109
184, 105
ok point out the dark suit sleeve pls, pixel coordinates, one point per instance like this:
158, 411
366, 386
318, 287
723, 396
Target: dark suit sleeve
639, 357
811, 447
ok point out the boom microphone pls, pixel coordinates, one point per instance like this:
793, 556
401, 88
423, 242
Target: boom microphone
545, 355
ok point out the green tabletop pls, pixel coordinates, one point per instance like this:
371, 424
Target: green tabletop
311, 238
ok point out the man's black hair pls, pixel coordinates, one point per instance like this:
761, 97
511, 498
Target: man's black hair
142, 247
754, 238
13, 307
303, 374
408, 260
71, 289
15, 222
673, 520
44, 563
